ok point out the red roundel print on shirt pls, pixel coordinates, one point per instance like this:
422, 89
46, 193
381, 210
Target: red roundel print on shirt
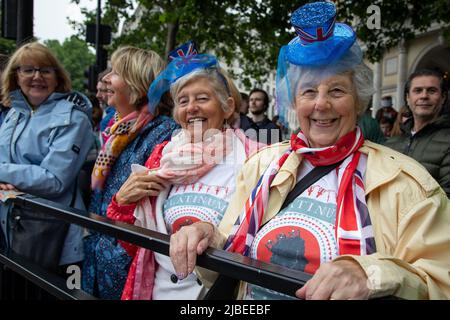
298, 240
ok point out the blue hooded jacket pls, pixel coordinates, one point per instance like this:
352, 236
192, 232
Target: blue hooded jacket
42, 152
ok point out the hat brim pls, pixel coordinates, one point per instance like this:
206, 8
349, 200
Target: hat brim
323, 52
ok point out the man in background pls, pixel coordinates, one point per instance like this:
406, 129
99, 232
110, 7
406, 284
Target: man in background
425, 136
386, 111
268, 132
108, 111
245, 123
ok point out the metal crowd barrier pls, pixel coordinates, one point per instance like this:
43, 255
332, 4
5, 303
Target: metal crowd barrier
23, 280
236, 266
274, 277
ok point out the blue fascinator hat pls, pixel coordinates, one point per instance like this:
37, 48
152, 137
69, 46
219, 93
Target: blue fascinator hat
179, 66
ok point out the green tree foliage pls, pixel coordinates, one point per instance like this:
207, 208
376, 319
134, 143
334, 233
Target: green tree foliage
75, 56
400, 21
243, 30
7, 46
251, 32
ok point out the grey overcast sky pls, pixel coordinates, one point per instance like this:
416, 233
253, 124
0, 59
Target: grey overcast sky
50, 17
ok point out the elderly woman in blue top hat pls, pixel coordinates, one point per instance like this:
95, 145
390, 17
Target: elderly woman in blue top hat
367, 222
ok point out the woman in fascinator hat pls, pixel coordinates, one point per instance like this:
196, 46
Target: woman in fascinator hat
187, 179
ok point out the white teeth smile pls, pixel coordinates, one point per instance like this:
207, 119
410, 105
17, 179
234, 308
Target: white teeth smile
196, 120
324, 121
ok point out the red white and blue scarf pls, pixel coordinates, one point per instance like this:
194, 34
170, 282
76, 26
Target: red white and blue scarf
353, 226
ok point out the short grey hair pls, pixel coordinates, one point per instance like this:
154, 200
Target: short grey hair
216, 80
363, 82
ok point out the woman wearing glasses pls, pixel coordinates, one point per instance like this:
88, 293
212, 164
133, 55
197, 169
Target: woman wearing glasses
45, 137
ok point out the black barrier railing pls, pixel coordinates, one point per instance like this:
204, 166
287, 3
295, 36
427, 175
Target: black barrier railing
46, 280
236, 266
273, 277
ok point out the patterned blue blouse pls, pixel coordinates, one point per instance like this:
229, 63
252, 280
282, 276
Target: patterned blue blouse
106, 263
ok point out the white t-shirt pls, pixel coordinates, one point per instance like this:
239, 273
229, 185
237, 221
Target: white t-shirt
205, 200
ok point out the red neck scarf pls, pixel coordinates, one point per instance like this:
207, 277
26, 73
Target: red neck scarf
344, 147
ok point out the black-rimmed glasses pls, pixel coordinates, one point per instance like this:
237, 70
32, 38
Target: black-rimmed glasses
30, 71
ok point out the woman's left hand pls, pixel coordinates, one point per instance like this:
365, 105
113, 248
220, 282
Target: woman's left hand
338, 280
7, 187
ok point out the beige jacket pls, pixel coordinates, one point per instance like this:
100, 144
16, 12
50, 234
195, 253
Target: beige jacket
408, 209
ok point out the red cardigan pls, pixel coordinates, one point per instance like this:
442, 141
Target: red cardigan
124, 213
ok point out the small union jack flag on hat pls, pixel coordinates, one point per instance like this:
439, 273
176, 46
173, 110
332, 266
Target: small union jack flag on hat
314, 22
187, 49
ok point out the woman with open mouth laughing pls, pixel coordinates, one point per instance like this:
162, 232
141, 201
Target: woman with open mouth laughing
189, 179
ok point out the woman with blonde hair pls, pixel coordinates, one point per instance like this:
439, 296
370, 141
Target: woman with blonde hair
3, 110
136, 131
45, 137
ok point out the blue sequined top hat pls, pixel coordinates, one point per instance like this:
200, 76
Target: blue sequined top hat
176, 69
321, 48
320, 39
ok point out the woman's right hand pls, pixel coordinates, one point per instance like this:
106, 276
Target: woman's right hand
140, 185
187, 243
